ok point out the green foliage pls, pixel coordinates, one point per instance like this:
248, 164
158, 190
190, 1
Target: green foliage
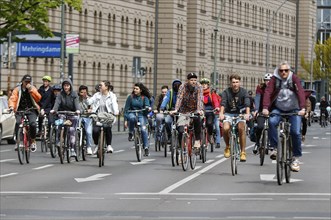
26, 15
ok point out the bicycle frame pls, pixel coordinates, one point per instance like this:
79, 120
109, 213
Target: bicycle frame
264, 140
23, 140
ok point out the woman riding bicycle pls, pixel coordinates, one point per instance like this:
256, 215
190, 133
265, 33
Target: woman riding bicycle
138, 100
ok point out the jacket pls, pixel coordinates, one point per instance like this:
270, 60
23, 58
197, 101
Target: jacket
187, 101
65, 102
111, 102
134, 102
15, 98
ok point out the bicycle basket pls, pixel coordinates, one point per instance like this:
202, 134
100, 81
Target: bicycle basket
105, 118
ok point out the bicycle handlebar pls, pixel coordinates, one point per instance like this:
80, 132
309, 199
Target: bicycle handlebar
65, 113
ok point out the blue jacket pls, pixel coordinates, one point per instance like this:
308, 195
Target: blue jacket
134, 102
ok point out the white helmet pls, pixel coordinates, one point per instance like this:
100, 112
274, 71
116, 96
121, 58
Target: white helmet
267, 76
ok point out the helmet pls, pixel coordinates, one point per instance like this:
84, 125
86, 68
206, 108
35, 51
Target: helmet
267, 76
48, 78
57, 87
204, 81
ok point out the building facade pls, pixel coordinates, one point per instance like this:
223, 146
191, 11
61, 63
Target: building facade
115, 33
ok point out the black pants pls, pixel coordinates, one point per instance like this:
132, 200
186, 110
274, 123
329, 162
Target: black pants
260, 125
107, 133
32, 117
210, 122
197, 129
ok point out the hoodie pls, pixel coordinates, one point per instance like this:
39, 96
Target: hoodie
169, 100
67, 102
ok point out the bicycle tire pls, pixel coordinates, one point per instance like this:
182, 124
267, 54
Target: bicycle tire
280, 160
83, 146
52, 142
78, 144
101, 148
288, 161
203, 145
233, 155
27, 152
138, 145
173, 148
191, 153
61, 147
184, 153
42, 143
20, 150
263, 146
164, 141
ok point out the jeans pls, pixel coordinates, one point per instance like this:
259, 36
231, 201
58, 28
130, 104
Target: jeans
295, 133
87, 122
143, 121
217, 129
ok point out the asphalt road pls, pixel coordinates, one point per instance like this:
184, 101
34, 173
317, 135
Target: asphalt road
153, 189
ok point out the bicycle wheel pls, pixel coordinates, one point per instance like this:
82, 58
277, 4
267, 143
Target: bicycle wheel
83, 146
164, 141
280, 160
27, 150
203, 145
78, 144
263, 146
61, 146
67, 146
20, 146
101, 155
52, 142
289, 154
138, 145
192, 153
173, 148
184, 153
42, 142
233, 155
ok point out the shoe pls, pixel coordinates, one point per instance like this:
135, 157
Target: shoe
109, 149
243, 157
33, 146
89, 150
196, 144
67, 122
303, 138
146, 152
255, 150
130, 138
273, 154
218, 145
295, 165
95, 150
72, 152
227, 152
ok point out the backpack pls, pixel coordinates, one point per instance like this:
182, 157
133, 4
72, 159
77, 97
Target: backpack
290, 85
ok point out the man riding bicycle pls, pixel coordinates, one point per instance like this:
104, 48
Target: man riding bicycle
284, 94
234, 99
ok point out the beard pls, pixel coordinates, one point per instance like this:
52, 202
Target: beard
190, 88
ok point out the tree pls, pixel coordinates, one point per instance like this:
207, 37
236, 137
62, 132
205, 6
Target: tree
26, 15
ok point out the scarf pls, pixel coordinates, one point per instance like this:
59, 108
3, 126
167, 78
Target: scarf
206, 95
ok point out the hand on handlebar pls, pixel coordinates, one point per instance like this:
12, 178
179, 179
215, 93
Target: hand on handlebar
265, 112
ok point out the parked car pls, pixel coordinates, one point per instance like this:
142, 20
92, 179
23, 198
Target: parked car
7, 122
317, 113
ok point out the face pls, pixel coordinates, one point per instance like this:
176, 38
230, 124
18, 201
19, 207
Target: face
83, 93
66, 87
164, 92
235, 84
45, 83
192, 81
266, 82
284, 71
103, 87
25, 83
205, 86
56, 92
136, 90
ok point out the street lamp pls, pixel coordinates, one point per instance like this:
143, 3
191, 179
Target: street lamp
156, 43
268, 36
62, 43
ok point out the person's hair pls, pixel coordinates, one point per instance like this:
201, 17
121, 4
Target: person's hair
235, 76
107, 84
111, 88
164, 87
83, 87
284, 63
144, 90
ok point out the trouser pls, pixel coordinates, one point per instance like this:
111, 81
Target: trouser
107, 134
32, 117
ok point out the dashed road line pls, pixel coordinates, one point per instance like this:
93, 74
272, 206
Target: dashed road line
6, 160
43, 167
9, 174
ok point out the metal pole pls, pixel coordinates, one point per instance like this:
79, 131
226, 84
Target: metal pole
156, 41
268, 37
215, 41
62, 44
297, 38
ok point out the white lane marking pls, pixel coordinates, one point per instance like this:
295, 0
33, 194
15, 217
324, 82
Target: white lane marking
324, 138
43, 167
209, 161
327, 133
310, 145
312, 217
250, 217
316, 137
309, 199
273, 161
305, 152
2, 151
40, 192
6, 160
271, 177
197, 199
251, 199
220, 156
87, 198
118, 151
9, 174
144, 161
95, 177
140, 198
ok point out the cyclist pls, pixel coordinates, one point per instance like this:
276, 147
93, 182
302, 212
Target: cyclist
86, 121
45, 91
284, 94
139, 99
305, 118
26, 96
168, 103
258, 109
217, 123
160, 116
234, 99
210, 102
323, 105
189, 100
67, 100
104, 101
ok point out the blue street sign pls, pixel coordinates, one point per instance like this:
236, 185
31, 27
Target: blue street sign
39, 49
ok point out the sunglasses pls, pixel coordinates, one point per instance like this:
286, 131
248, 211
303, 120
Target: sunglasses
283, 70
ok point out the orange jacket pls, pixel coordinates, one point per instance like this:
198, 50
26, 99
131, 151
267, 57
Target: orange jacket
15, 97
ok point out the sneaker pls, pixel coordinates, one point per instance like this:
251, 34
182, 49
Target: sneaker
273, 154
33, 146
243, 157
95, 150
146, 152
72, 152
303, 138
211, 139
227, 152
218, 145
255, 150
89, 150
130, 138
109, 149
197, 144
295, 165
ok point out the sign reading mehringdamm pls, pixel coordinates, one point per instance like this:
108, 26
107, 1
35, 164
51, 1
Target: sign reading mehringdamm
38, 49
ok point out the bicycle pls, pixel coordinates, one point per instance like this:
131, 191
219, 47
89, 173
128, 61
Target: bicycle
23, 139
81, 140
137, 135
44, 134
284, 148
64, 144
174, 146
264, 140
323, 120
161, 137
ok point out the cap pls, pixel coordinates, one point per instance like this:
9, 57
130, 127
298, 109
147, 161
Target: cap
48, 78
191, 75
26, 78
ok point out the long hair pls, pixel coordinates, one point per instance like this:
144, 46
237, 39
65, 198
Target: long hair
144, 90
